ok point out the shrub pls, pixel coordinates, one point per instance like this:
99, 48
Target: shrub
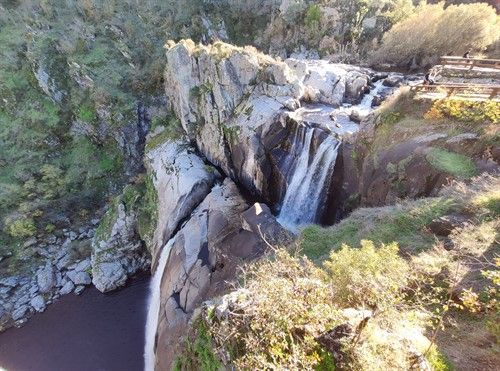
148, 212
202, 356
367, 275
402, 223
22, 227
87, 113
438, 360
466, 111
313, 16
290, 303
453, 163
274, 320
434, 31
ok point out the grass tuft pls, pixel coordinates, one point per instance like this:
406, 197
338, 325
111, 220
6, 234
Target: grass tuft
453, 163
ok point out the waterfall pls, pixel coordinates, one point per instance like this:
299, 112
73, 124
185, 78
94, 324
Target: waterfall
309, 180
154, 308
365, 106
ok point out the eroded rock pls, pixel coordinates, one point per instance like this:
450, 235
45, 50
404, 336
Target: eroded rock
203, 259
118, 255
182, 180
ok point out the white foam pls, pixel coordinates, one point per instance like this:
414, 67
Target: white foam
154, 308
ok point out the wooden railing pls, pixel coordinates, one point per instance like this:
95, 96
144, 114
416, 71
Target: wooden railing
470, 62
488, 91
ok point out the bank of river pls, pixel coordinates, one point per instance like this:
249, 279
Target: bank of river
93, 331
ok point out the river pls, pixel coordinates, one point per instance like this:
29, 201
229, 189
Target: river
93, 331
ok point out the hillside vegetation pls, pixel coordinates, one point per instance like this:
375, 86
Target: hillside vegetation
77, 77
383, 289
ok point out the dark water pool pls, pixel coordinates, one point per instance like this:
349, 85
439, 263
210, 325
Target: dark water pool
90, 332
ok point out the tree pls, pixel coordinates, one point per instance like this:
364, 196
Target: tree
433, 31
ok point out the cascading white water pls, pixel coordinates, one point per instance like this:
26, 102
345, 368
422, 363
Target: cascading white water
310, 175
306, 187
154, 308
365, 106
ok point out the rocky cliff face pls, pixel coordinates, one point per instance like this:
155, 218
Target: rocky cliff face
239, 107
182, 180
119, 254
243, 113
252, 118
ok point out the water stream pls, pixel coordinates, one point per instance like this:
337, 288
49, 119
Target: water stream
309, 180
313, 169
154, 308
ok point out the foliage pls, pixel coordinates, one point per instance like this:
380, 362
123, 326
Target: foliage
290, 302
22, 227
171, 130
87, 113
202, 356
367, 275
435, 30
313, 16
148, 210
106, 224
274, 320
402, 223
467, 111
437, 360
62, 62
452, 163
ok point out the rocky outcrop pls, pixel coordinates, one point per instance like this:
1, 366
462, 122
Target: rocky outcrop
120, 254
330, 83
221, 234
65, 268
230, 101
401, 171
239, 106
182, 180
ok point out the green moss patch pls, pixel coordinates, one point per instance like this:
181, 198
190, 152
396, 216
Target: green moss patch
401, 223
452, 163
172, 130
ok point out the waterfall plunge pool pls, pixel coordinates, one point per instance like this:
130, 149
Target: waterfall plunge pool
93, 331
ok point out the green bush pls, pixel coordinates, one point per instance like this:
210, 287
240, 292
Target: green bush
87, 113
201, 353
290, 302
367, 276
22, 227
313, 16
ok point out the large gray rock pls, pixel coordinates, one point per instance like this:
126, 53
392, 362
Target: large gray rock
38, 303
331, 83
182, 180
231, 101
203, 260
118, 255
67, 288
46, 278
79, 278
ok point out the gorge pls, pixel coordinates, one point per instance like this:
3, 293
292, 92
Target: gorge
256, 150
